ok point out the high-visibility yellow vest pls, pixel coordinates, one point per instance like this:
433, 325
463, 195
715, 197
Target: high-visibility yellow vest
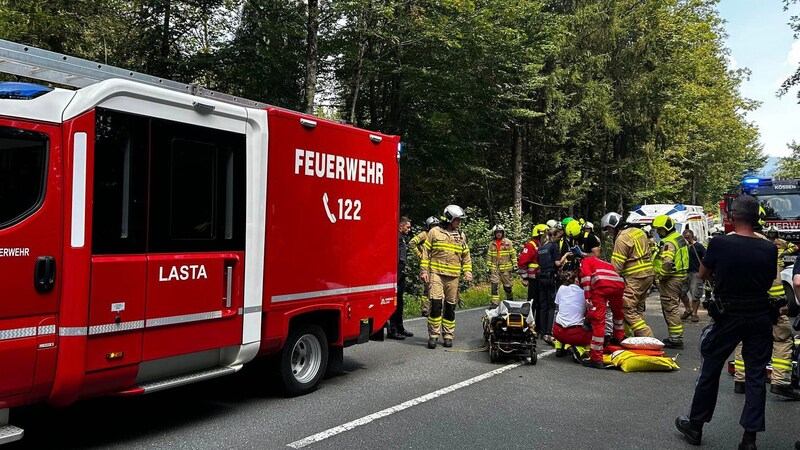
679, 256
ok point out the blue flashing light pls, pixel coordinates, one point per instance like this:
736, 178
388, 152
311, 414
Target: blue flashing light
22, 91
751, 180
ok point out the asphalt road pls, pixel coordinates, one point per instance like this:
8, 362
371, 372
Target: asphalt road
398, 394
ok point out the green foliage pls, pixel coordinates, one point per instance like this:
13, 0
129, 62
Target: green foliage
607, 103
789, 167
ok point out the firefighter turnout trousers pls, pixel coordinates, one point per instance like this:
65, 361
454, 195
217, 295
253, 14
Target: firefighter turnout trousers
670, 290
633, 304
497, 278
444, 297
601, 298
781, 354
426, 299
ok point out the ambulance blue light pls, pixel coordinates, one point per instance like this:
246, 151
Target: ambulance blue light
22, 91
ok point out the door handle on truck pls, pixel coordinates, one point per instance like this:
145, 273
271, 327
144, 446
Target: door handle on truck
228, 286
44, 274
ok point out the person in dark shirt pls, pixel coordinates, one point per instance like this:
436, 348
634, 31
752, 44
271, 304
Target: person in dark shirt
550, 259
396, 328
590, 243
693, 287
744, 266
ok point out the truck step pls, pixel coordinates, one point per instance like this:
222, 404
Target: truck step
167, 383
10, 433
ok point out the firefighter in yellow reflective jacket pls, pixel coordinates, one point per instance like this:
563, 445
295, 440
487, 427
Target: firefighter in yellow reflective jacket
784, 247
782, 336
445, 256
632, 259
671, 266
500, 259
416, 246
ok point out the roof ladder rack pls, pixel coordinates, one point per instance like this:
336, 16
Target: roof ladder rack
44, 65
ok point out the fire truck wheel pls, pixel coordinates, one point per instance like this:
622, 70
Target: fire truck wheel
304, 359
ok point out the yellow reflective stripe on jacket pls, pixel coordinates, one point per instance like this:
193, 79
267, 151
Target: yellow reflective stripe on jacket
446, 267
641, 267
449, 247
618, 257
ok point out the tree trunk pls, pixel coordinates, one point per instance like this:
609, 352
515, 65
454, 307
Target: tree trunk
518, 171
312, 26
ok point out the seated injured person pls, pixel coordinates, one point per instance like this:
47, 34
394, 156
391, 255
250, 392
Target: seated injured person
569, 328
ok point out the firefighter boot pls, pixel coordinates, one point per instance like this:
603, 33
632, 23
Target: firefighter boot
785, 391
672, 342
432, 343
448, 343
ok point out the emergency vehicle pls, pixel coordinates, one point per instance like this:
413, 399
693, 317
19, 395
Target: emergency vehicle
781, 202
685, 217
154, 234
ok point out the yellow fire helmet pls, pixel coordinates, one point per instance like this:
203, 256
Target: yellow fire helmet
573, 228
664, 221
538, 230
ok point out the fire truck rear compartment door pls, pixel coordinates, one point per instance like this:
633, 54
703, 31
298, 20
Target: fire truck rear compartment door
193, 303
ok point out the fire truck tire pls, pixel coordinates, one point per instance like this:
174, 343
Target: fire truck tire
791, 302
304, 359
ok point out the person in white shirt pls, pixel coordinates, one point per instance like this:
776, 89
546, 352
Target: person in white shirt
568, 327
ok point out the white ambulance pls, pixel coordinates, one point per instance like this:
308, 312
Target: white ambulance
685, 216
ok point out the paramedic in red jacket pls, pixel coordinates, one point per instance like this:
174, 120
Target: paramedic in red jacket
602, 286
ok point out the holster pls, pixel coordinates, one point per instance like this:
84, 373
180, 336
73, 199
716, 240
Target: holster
775, 305
714, 307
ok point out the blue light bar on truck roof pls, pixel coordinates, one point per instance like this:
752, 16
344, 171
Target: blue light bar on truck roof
22, 91
751, 180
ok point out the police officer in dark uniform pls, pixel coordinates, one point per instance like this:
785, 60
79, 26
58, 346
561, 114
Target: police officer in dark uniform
743, 266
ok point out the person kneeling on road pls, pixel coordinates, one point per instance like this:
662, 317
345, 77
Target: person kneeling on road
569, 328
602, 287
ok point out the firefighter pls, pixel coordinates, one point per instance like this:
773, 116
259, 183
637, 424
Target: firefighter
671, 266
528, 265
631, 259
445, 256
784, 247
782, 337
602, 287
500, 258
416, 246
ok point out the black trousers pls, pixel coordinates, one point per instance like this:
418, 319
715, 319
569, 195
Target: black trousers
547, 304
396, 319
717, 342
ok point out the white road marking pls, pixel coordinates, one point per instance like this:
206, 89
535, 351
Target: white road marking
405, 405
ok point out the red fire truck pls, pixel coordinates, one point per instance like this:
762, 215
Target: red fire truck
780, 200
154, 234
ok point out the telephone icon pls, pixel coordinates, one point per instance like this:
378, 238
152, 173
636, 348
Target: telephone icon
331, 217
